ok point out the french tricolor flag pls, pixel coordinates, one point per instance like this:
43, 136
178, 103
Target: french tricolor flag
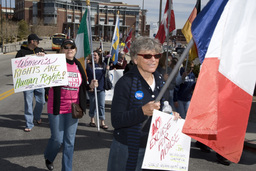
224, 32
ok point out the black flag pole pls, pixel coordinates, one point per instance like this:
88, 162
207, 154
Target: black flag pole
167, 37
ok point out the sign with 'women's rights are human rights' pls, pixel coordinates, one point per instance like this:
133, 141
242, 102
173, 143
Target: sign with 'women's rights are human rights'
32, 72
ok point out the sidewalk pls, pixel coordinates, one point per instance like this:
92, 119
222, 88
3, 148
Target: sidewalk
15, 46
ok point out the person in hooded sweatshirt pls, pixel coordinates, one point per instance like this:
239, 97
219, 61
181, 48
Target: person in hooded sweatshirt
30, 113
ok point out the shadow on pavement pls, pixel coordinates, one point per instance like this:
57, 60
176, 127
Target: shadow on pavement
7, 164
195, 152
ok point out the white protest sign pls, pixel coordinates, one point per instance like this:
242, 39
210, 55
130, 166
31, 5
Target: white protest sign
114, 76
167, 147
32, 72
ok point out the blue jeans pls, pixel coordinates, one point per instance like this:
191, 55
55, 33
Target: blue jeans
183, 108
28, 100
118, 156
101, 104
63, 131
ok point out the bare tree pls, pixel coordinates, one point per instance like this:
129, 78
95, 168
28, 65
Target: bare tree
40, 29
12, 29
9, 32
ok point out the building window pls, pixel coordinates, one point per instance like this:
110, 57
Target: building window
49, 5
77, 19
111, 11
122, 12
102, 20
69, 18
35, 10
60, 6
111, 21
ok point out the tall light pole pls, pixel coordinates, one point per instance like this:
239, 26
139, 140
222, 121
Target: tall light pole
6, 20
11, 8
143, 19
2, 26
6, 9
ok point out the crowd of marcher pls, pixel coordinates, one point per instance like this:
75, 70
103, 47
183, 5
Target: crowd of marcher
132, 105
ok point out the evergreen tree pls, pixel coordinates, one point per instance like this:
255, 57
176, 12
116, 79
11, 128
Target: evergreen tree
22, 30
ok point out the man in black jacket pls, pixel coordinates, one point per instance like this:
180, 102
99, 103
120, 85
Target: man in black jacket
31, 48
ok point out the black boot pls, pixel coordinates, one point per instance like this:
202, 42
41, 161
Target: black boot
49, 164
203, 147
222, 160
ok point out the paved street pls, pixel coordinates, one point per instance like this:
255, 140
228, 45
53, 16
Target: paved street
24, 151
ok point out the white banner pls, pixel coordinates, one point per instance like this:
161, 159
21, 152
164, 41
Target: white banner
114, 76
167, 147
32, 72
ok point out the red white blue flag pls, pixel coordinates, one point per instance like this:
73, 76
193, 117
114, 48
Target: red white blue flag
224, 32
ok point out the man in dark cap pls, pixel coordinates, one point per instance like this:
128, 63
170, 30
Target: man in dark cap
31, 48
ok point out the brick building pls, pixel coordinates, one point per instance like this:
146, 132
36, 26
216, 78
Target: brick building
66, 14
6, 12
178, 38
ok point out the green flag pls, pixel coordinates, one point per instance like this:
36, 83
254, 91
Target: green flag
82, 39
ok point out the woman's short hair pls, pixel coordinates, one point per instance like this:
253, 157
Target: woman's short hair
144, 43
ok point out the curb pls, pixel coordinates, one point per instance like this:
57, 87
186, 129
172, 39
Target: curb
250, 145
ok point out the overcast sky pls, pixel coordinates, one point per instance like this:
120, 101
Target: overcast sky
182, 9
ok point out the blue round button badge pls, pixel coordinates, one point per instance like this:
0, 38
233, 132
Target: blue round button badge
139, 95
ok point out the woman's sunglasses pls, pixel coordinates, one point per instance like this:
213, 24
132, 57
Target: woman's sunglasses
71, 47
149, 56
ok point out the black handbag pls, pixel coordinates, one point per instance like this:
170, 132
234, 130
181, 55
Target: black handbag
77, 112
107, 83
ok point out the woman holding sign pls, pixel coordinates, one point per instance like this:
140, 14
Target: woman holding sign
133, 105
63, 126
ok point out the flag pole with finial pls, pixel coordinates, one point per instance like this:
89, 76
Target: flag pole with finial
93, 63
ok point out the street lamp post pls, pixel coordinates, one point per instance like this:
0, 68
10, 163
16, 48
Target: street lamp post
143, 19
6, 9
6, 20
2, 27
